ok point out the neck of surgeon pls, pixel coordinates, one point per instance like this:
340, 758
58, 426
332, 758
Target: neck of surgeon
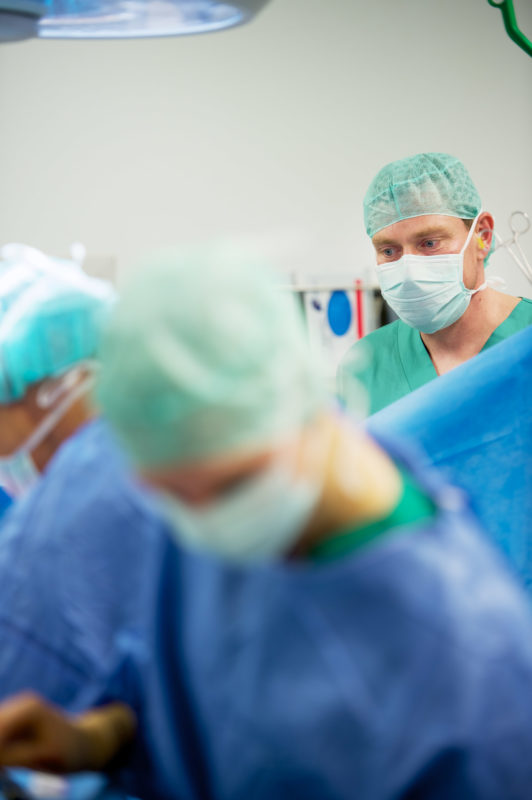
465, 338
360, 483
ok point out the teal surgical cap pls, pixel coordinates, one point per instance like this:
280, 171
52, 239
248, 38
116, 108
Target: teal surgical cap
205, 356
428, 183
51, 318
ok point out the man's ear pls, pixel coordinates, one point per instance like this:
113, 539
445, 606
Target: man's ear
484, 233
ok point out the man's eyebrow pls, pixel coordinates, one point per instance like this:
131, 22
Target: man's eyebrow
380, 240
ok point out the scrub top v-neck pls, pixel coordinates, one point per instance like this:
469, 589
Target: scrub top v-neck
399, 362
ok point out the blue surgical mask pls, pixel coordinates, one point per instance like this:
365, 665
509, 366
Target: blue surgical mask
259, 521
428, 292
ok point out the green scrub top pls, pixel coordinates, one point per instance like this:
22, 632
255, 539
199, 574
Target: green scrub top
393, 361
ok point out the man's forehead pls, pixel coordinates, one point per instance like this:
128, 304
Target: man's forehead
424, 225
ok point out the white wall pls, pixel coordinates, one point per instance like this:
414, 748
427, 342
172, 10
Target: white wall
269, 132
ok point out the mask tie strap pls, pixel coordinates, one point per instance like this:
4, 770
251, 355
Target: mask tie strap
471, 232
51, 420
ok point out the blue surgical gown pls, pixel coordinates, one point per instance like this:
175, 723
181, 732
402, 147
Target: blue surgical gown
475, 424
402, 671
77, 556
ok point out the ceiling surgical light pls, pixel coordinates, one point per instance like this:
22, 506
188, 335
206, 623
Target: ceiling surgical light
120, 19
20, 20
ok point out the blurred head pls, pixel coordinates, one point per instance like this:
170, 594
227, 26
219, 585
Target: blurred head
207, 378
427, 206
51, 318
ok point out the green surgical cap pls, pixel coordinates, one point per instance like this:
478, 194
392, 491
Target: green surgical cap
428, 183
51, 317
205, 355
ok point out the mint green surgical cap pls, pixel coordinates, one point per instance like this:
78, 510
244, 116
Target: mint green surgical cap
428, 183
205, 355
51, 317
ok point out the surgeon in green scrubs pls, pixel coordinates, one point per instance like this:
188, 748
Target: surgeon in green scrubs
432, 241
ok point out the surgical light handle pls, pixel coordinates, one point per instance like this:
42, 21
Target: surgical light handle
510, 23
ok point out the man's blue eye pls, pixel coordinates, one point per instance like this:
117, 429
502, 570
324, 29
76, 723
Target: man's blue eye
388, 251
430, 243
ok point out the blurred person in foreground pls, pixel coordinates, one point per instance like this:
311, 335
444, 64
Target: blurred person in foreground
331, 621
432, 241
77, 544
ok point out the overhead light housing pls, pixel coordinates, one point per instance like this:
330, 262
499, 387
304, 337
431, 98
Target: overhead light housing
120, 19
20, 20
